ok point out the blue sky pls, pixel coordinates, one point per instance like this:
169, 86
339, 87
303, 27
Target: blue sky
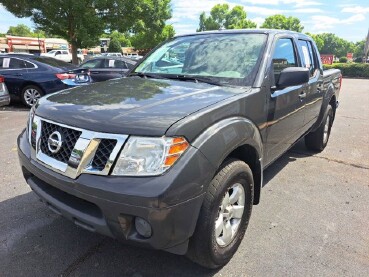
348, 19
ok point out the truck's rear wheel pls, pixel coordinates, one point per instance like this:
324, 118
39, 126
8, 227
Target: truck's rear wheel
318, 140
224, 215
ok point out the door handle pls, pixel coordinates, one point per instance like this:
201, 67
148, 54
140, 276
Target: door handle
302, 95
19, 74
94, 72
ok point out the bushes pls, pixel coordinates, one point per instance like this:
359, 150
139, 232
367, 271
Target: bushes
343, 60
351, 69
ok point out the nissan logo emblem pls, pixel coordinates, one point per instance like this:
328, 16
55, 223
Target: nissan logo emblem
54, 143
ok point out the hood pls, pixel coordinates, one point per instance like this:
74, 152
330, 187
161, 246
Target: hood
132, 105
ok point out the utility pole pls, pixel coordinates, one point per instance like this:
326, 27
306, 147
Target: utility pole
366, 48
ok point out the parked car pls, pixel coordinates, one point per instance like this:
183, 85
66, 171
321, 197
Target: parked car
133, 56
108, 67
29, 77
4, 94
63, 55
172, 157
111, 54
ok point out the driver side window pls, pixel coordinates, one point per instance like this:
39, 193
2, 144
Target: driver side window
284, 56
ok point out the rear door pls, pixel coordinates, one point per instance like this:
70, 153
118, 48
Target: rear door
286, 107
13, 69
314, 95
110, 68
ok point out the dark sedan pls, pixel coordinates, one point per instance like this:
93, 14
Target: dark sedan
29, 77
107, 67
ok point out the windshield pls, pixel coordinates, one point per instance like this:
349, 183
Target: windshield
225, 58
51, 52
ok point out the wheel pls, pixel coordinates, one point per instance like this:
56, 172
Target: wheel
30, 95
318, 140
224, 216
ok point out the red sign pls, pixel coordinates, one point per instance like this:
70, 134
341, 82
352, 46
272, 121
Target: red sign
350, 56
327, 59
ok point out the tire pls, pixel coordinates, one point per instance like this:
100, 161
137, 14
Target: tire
30, 95
318, 140
212, 247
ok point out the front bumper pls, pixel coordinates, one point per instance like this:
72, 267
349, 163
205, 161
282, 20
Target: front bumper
109, 204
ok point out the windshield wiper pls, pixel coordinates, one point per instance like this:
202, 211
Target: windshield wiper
147, 75
197, 79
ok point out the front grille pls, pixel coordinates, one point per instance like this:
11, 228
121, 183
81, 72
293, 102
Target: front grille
103, 152
69, 138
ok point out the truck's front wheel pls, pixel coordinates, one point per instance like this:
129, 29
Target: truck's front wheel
224, 215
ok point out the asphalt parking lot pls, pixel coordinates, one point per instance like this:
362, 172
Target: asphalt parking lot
313, 219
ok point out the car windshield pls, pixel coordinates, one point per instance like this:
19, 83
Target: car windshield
227, 59
51, 52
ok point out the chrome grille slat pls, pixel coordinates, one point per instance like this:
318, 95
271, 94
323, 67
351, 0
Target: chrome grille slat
83, 151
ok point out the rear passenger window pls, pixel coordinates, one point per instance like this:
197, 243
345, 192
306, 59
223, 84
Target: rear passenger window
308, 56
16, 64
120, 64
29, 65
284, 56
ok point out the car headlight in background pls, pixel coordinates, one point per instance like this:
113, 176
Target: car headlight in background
145, 156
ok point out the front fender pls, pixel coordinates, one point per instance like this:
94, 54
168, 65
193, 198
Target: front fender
219, 140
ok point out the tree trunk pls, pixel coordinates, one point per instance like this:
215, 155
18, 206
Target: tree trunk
74, 54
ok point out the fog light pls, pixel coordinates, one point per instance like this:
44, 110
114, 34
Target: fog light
143, 227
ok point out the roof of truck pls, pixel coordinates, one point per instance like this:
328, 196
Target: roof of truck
244, 31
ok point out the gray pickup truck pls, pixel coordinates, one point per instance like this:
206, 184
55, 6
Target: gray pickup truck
172, 156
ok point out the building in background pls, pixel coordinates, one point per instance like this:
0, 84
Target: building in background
56, 44
4, 47
26, 45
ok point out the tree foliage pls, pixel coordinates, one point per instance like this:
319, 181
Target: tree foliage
332, 44
24, 31
82, 22
124, 39
282, 22
222, 17
147, 39
115, 46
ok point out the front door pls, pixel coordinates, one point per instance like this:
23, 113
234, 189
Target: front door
286, 106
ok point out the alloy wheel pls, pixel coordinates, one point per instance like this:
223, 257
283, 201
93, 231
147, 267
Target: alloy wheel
230, 215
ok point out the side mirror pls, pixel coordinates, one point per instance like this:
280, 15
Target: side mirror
293, 76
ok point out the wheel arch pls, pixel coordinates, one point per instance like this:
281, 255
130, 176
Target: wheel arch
235, 137
31, 83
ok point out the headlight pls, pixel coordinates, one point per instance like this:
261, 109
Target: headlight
144, 156
32, 128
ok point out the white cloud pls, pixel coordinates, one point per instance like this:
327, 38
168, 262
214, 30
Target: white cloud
307, 10
355, 9
323, 22
297, 3
258, 20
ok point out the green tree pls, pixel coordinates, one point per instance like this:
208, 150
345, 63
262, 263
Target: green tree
122, 38
147, 39
115, 46
333, 44
222, 17
20, 30
282, 22
359, 49
82, 22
